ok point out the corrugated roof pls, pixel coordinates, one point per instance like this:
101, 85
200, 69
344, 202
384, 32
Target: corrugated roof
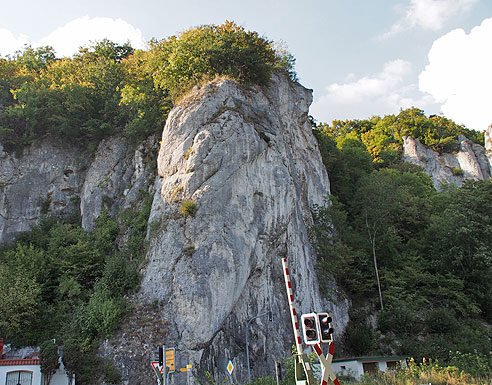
33, 361
372, 359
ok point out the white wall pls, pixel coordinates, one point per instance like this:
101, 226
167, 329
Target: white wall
355, 368
59, 378
36, 373
352, 368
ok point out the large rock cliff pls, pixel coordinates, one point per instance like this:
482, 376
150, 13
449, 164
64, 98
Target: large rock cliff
471, 161
248, 160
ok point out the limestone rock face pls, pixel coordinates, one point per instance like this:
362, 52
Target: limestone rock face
55, 178
248, 159
470, 162
115, 178
488, 143
45, 179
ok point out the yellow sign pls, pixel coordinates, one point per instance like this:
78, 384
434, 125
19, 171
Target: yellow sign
170, 359
230, 367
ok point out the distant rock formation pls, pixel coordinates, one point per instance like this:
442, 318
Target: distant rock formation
47, 178
488, 142
471, 161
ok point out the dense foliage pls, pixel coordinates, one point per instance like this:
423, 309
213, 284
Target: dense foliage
418, 259
108, 88
429, 252
383, 137
66, 283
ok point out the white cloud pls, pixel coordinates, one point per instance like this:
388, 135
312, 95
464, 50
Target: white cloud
383, 93
429, 14
10, 43
459, 75
66, 40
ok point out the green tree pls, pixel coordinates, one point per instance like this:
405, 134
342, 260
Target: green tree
20, 304
72, 358
210, 50
458, 242
49, 360
35, 59
377, 199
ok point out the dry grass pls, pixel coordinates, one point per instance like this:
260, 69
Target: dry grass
422, 374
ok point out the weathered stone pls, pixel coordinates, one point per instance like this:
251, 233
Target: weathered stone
469, 162
116, 178
488, 143
248, 159
46, 179
59, 179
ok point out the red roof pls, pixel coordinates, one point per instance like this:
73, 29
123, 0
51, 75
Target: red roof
19, 362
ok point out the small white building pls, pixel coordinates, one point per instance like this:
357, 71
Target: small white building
356, 367
26, 370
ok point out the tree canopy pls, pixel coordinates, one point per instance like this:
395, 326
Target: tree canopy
383, 137
108, 88
430, 250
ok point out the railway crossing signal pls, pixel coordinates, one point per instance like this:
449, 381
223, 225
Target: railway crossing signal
325, 327
316, 329
310, 329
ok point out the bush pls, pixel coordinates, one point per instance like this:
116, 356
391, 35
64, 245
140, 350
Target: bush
398, 320
475, 364
188, 208
210, 50
111, 375
441, 320
457, 171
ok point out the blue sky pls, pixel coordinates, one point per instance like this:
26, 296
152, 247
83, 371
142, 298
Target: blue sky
361, 57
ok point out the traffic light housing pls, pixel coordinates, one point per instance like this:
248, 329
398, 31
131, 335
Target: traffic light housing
161, 356
325, 327
310, 328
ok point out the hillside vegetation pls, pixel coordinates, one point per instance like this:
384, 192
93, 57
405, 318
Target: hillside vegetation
415, 262
108, 88
64, 282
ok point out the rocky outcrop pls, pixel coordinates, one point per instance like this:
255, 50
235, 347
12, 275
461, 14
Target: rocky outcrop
488, 143
116, 177
247, 159
55, 178
47, 178
469, 162
249, 162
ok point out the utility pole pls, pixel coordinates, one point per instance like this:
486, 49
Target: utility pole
269, 313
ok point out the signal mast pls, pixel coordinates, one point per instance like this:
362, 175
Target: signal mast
316, 329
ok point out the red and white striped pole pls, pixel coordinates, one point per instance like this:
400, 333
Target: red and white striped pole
293, 314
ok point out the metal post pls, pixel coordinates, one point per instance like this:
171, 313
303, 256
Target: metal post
278, 372
164, 375
247, 342
167, 374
